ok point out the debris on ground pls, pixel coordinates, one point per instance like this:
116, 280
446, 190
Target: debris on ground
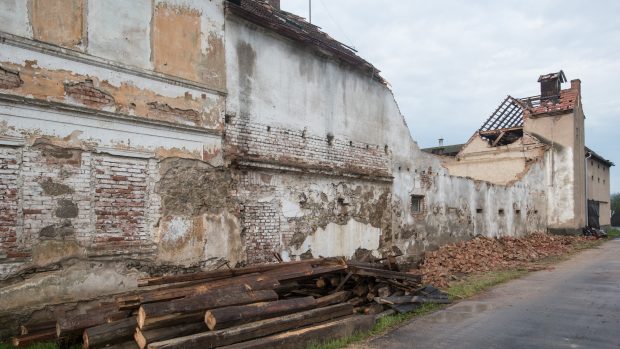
483, 254
282, 305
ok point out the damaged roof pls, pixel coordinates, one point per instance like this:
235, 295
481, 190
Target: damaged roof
565, 102
297, 28
446, 150
598, 157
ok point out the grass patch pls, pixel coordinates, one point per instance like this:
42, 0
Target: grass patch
46, 345
476, 283
613, 233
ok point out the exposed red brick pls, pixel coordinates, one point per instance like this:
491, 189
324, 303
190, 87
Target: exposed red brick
9, 79
86, 93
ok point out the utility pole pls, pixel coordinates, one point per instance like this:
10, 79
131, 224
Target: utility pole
310, 11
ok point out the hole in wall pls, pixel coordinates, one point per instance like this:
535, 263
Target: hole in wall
500, 211
478, 210
351, 143
268, 128
330, 138
518, 211
385, 149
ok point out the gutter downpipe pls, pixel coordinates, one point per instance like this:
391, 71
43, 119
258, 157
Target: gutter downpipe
589, 155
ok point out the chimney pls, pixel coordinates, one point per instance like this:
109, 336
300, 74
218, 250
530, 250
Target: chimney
551, 84
274, 3
575, 84
441, 142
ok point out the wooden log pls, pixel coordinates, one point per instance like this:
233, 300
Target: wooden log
334, 280
226, 273
236, 315
255, 329
143, 338
209, 300
76, 324
334, 298
110, 333
411, 299
34, 337
37, 327
295, 272
172, 319
344, 281
385, 274
360, 289
321, 282
250, 282
303, 337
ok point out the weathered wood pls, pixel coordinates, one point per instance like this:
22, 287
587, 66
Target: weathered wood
360, 289
236, 315
344, 281
385, 274
143, 338
296, 272
34, 337
110, 333
37, 327
301, 338
334, 298
410, 299
124, 345
373, 309
172, 319
321, 282
76, 324
255, 329
225, 273
334, 280
250, 282
208, 300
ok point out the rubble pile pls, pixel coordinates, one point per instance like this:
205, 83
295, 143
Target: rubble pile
483, 254
282, 305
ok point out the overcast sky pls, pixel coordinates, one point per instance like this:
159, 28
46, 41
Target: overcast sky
450, 63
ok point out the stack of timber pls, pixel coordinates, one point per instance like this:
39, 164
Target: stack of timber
283, 305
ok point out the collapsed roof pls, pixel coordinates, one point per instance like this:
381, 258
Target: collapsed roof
297, 28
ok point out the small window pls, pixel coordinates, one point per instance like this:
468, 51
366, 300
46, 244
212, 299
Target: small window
518, 211
500, 212
478, 210
599, 179
417, 202
592, 177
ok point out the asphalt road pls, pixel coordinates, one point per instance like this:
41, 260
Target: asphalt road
575, 304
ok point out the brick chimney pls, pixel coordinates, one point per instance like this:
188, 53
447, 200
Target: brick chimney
274, 3
575, 84
551, 84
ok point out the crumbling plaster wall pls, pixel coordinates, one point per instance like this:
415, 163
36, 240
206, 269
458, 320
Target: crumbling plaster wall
502, 164
111, 161
276, 84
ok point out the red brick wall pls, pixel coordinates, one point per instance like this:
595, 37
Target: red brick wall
9, 202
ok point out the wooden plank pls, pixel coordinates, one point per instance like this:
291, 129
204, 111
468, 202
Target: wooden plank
110, 333
225, 273
411, 299
34, 337
256, 329
37, 327
385, 274
76, 324
303, 337
250, 282
334, 298
143, 338
209, 300
236, 315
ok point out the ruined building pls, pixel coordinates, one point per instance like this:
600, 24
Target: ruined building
153, 136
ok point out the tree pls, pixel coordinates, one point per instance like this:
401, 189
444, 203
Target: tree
615, 202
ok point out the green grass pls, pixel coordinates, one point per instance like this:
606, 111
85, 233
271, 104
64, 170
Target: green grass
613, 233
474, 284
50, 345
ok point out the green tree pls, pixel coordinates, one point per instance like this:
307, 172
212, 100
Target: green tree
615, 202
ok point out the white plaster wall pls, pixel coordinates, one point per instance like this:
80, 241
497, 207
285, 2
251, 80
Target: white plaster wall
19, 56
105, 133
290, 86
14, 18
120, 30
342, 240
